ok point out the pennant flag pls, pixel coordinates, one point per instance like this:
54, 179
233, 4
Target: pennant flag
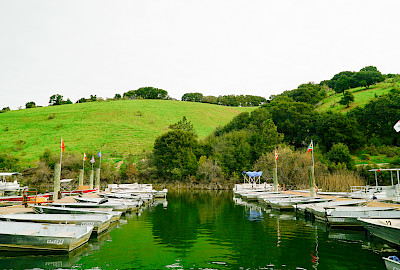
310, 147
397, 126
99, 154
92, 160
62, 145
276, 155
84, 157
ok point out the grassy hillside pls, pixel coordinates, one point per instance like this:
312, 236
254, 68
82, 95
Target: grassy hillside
361, 96
116, 127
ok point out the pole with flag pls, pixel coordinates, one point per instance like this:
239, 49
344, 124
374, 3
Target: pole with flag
92, 161
312, 178
62, 149
84, 159
99, 155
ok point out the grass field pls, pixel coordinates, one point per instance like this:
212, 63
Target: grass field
118, 128
361, 97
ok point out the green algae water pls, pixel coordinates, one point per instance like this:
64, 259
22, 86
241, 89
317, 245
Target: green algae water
214, 230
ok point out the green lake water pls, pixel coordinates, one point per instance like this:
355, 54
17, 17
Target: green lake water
214, 230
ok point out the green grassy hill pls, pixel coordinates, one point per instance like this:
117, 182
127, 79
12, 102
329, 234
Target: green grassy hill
117, 128
361, 96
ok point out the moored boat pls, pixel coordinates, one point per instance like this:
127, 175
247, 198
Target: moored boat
40, 209
386, 229
100, 222
392, 262
20, 236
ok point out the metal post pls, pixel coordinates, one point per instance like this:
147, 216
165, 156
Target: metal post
57, 175
91, 179
81, 177
313, 192
97, 185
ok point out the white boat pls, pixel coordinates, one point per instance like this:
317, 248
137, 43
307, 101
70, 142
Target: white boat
114, 206
287, 204
386, 229
392, 263
131, 204
9, 187
348, 216
100, 222
20, 236
319, 208
40, 209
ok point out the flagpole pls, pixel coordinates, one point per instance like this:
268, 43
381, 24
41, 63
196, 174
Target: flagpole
312, 154
61, 153
276, 165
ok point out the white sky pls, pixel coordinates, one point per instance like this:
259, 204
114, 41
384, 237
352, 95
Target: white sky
81, 47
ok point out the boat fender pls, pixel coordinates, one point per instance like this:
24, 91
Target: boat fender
283, 187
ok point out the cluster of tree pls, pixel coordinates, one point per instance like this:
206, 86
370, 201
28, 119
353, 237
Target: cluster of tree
350, 79
310, 93
58, 99
226, 100
5, 109
147, 93
92, 98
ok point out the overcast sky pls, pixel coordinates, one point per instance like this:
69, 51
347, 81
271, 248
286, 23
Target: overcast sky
81, 47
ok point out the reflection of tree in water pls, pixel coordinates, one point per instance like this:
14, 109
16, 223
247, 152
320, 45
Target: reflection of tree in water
188, 212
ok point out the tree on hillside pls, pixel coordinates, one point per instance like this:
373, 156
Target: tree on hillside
194, 97
30, 104
296, 120
210, 99
340, 153
370, 68
378, 117
308, 93
183, 124
175, 154
58, 100
5, 109
147, 93
332, 128
367, 78
347, 98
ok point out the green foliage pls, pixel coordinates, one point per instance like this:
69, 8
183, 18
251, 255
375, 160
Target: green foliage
57, 99
208, 170
378, 117
238, 144
210, 99
175, 154
347, 98
117, 96
183, 124
30, 104
340, 153
194, 97
308, 93
5, 109
9, 163
241, 100
147, 93
296, 120
332, 128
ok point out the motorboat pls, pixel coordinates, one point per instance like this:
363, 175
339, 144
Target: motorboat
392, 262
115, 206
22, 236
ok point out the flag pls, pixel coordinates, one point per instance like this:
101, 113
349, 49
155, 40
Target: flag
310, 147
92, 160
84, 157
397, 126
276, 155
62, 145
99, 154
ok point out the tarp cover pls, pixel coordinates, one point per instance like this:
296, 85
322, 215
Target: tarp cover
254, 174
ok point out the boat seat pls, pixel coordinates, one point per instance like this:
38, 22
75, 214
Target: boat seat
65, 234
29, 232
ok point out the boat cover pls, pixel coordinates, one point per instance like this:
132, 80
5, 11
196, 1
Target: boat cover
254, 174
